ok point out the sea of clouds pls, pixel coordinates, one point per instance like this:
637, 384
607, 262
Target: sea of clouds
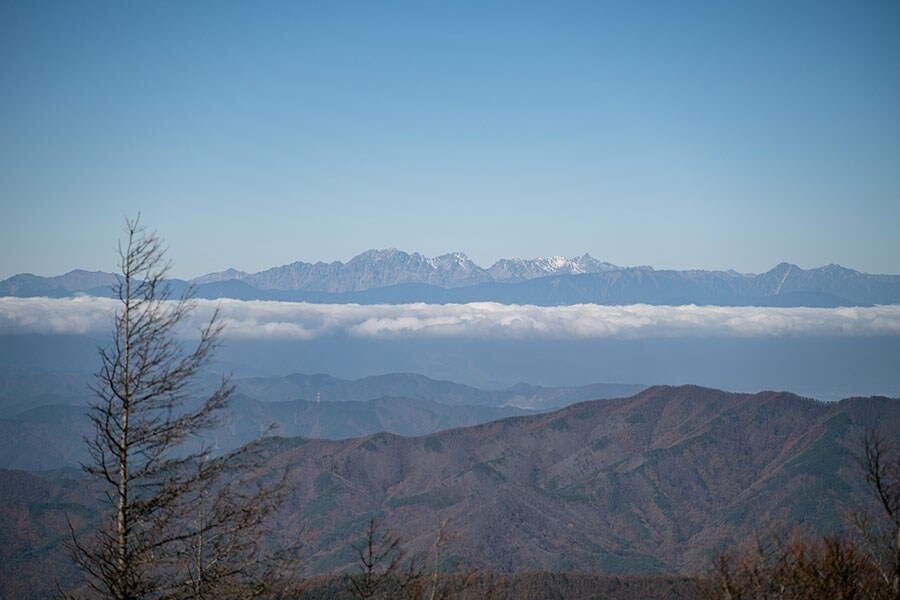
488, 320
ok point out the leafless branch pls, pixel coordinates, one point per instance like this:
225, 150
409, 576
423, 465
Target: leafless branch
181, 524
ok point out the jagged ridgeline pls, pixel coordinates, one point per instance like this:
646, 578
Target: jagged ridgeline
393, 276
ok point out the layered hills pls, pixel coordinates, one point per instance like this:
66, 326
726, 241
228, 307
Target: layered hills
396, 277
653, 483
325, 388
43, 416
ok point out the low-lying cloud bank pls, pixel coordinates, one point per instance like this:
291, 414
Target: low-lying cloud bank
301, 321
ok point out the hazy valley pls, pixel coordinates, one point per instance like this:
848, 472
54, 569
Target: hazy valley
43, 416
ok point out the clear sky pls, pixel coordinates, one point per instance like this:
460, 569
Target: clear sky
253, 134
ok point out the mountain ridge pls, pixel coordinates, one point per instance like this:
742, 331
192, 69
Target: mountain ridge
648, 483
382, 268
654, 483
395, 277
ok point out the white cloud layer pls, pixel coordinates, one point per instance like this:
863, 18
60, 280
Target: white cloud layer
301, 321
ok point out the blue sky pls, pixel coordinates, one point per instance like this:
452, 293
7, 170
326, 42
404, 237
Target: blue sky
677, 134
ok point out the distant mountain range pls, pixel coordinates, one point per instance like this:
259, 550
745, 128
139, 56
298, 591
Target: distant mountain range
654, 483
371, 269
24, 390
325, 388
52, 437
43, 420
395, 277
383, 268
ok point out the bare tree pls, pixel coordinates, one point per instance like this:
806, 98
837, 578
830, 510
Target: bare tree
182, 524
445, 576
386, 570
880, 533
798, 566
865, 565
380, 574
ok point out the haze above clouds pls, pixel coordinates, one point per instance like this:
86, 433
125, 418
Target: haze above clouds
486, 320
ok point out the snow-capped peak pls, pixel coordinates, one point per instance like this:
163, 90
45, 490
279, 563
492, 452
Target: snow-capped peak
518, 269
225, 275
390, 266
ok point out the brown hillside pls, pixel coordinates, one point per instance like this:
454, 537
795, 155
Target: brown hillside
646, 484
654, 483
